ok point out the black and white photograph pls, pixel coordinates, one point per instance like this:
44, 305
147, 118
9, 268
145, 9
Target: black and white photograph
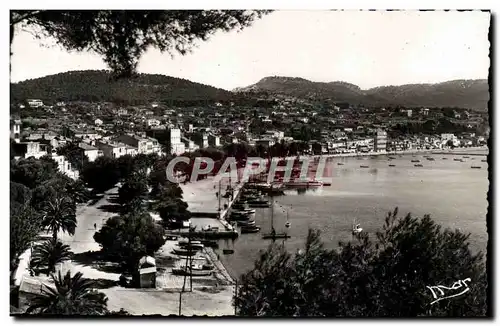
250, 163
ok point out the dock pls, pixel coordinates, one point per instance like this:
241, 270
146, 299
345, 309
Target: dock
204, 200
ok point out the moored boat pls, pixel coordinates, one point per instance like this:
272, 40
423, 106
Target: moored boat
191, 271
276, 236
392, 165
418, 165
210, 243
245, 223
364, 166
250, 229
475, 167
415, 161
184, 252
238, 216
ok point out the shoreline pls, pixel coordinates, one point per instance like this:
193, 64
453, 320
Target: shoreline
405, 152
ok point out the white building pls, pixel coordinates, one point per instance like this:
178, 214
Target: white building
153, 122
380, 142
177, 147
98, 122
91, 152
111, 149
34, 103
15, 130
64, 166
143, 145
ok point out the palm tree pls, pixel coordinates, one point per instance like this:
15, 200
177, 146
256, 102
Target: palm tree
59, 214
69, 296
48, 254
77, 191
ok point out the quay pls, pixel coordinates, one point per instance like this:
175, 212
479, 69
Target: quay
205, 198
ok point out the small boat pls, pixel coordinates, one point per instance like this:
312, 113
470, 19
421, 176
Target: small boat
430, 158
392, 158
184, 242
327, 184
392, 165
276, 236
340, 163
227, 251
241, 217
475, 167
242, 207
357, 229
465, 156
418, 165
250, 229
193, 247
415, 161
484, 160
184, 252
444, 158
243, 212
458, 159
210, 243
364, 166
260, 204
245, 223
191, 271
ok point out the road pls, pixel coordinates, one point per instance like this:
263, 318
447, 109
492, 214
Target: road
83, 239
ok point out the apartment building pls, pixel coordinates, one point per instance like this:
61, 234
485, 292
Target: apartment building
91, 152
380, 141
112, 149
143, 145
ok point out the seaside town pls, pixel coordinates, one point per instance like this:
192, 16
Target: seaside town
101, 222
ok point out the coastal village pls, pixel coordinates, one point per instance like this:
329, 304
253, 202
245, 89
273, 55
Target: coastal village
185, 275
162, 164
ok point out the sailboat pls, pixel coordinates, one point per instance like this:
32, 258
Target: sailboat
273, 234
356, 228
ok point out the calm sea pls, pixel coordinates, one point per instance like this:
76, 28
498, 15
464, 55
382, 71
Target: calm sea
450, 191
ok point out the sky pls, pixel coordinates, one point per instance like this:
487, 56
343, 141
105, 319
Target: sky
366, 48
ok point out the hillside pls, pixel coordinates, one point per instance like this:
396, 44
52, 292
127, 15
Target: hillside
457, 93
93, 86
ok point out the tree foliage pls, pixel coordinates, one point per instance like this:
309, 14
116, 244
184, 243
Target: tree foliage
74, 154
129, 237
32, 172
59, 214
133, 192
48, 254
122, 36
71, 295
386, 278
24, 228
102, 174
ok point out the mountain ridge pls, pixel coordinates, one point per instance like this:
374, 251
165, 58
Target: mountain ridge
473, 93
98, 85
